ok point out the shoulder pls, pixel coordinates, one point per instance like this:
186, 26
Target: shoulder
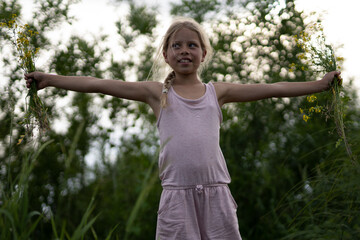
152, 87
153, 84
222, 89
238, 92
223, 86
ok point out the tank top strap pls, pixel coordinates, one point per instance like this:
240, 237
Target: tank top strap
212, 92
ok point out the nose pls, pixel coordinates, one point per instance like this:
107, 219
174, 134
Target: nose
184, 51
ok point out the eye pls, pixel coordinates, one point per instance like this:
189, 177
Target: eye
192, 45
175, 45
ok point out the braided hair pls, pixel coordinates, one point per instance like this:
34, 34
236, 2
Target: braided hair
166, 86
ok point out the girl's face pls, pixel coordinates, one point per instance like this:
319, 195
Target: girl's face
184, 53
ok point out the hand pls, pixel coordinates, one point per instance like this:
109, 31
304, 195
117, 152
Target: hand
329, 78
38, 77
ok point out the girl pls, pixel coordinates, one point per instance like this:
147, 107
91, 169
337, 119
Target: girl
196, 202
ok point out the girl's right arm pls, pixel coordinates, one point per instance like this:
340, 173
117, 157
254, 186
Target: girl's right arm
147, 91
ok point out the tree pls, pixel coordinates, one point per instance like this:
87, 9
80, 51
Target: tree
269, 149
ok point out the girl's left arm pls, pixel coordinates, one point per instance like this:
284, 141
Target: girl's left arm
233, 92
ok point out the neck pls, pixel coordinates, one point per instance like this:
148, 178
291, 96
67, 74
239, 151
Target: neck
186, 79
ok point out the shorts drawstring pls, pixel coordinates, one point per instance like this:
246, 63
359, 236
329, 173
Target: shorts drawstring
199, 188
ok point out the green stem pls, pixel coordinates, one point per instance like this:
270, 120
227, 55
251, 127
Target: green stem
11, 136
339, 121
36, 108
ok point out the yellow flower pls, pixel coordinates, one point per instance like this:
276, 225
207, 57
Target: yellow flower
306, 117
311, 98
301, 111
21, 139
340, 59
10, 23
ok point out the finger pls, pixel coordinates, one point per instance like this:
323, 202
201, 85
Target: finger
29, 75
28, 82
339, 78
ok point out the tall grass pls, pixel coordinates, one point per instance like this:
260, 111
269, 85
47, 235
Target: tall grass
328, 205
150, 179
148, 182
17, 221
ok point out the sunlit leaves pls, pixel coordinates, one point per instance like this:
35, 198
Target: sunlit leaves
195, 8
140, 21
80, 57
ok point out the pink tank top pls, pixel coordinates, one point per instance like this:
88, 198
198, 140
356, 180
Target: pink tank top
189, 135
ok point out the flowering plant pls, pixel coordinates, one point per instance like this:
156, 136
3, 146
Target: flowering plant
20, 36
320, 55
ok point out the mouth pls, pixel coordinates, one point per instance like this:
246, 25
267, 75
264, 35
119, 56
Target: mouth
184, 60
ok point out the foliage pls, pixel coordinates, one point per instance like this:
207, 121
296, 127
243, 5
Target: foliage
195, 9
327, 205
16, 218
288, 178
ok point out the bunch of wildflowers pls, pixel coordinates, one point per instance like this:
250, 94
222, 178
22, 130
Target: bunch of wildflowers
320, 55
20, 36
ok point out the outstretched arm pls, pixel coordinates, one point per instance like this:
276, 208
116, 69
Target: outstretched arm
232, 92
148, 92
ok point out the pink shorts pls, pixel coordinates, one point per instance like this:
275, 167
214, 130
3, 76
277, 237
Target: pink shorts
202, 212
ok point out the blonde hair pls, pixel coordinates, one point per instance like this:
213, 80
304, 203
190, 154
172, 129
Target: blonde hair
178, 24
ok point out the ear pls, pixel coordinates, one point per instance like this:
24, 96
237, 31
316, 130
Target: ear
165, 57
203, 55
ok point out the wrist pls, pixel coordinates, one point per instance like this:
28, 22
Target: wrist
49, 80
323, 85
